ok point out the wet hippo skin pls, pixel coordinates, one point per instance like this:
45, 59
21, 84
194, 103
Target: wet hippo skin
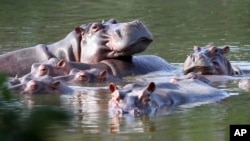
136, 65
89, 43
79, 77
210, 60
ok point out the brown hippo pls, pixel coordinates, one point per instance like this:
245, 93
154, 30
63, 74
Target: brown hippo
140, 99
88, 43
42, 85
210, 60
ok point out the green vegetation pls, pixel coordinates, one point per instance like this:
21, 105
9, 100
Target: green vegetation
21, 124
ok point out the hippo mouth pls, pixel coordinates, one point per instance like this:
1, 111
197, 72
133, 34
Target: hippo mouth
129, 38
139, 46
204, 70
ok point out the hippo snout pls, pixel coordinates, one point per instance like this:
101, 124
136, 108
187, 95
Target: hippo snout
129, 38
199, 63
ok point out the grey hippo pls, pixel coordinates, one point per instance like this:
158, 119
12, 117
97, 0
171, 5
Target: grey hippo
81, 77
42, 85
137, 99
210, 60
108, 45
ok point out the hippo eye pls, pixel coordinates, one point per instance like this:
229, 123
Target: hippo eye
215, 63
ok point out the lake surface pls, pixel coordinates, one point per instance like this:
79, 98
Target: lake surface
176, 25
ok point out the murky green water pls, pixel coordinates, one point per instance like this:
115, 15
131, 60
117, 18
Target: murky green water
176, 25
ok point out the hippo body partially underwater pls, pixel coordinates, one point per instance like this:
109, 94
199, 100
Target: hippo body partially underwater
210, 60
137, 99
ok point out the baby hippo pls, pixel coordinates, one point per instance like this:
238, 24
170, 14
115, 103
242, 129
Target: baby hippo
139, 99
76, 76
42, 85
52, 67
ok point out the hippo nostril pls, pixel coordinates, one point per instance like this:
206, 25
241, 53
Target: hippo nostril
193, 58
137, 22
96, 26
197, 48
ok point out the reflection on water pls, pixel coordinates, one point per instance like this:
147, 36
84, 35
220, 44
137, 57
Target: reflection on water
176, 25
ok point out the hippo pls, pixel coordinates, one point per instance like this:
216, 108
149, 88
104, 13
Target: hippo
78, 77
42, 85
139, 99
52, 67
210, 60
89, 43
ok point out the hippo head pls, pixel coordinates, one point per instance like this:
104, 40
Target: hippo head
208, 60
110, 39
131, 99
43, 85
54, 69
89, 76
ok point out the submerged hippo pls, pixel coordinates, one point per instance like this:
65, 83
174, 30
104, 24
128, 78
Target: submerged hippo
140, 99
77, 77
210, 60
50, 67
88, 43
42, 85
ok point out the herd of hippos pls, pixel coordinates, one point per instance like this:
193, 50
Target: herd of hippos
103, 52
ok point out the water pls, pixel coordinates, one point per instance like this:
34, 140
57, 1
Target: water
176, 25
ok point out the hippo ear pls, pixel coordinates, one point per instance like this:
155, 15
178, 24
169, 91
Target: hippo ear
111, 21
151, 87
112, 87
103, 75
226, 49
79, 30
61, 63
197, 48
55, 84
